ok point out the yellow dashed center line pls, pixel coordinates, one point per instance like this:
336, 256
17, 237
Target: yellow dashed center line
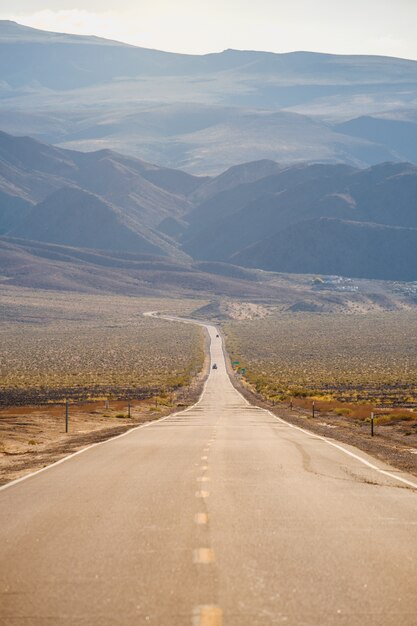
204, 555
208, 615
202, 494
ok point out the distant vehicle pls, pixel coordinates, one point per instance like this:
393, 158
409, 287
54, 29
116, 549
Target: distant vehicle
214, 366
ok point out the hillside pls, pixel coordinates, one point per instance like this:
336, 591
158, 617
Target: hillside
330, 246
74, 217
215, 213
234, 291
204, 113
237, 225
96, 199
108, 201
48, 266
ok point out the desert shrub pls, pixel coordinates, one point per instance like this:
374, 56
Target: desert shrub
350, 358
97, 345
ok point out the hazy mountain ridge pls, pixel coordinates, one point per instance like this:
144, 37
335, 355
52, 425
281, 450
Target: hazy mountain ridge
249, 215
252, 223
52, 267
49, 266
332, 246
98, 199
209, 112
75, 217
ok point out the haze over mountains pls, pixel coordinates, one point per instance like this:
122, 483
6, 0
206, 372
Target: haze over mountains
206, 113
298, 163
305, 218
49, 194
241, 225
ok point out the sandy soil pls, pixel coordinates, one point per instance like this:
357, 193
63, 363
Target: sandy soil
244, 310
32, 437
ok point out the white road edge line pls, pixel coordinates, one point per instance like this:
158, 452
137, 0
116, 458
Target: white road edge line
279, 419
306, 432
345, 451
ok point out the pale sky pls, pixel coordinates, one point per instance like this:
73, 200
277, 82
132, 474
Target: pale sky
384, 27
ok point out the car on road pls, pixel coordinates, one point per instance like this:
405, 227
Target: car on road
214, 366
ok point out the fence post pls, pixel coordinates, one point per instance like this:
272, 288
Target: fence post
372, 424
66, 415
128, 409
314, 409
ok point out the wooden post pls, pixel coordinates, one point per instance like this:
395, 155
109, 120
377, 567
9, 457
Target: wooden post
372, 424
128, 409
314, 409
66, 415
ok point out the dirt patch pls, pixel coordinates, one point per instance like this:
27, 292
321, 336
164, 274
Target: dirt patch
32, 437
224, 309
245, 310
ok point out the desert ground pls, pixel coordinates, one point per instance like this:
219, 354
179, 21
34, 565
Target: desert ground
102, 354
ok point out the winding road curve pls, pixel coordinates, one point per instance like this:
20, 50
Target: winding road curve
222, 514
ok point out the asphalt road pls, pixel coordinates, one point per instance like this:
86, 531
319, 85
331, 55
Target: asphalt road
222, 514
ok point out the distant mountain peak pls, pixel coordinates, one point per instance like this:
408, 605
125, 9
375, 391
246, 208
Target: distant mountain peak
11, 31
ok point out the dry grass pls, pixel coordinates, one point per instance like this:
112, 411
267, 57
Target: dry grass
349, 366
359, 359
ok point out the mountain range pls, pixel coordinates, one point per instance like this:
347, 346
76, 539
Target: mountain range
304, 218
276, 223
50, 194
204, 114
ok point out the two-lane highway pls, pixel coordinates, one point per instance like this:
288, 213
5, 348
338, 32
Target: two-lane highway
221, 514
